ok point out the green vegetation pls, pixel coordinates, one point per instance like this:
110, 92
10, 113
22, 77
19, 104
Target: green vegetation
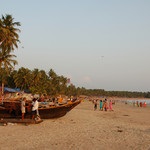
38, 81
9, 39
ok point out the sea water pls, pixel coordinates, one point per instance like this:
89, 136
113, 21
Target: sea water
140, 100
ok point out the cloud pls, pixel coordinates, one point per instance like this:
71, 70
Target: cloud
87, 79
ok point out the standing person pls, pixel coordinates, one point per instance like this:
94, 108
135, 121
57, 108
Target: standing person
95, 104
23, 107
137, 103
101, 105
140, 104
144, 104
35, 106
105, 105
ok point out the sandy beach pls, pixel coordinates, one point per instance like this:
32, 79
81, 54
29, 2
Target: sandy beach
126, 128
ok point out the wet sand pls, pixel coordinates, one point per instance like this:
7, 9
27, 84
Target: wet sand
125, 128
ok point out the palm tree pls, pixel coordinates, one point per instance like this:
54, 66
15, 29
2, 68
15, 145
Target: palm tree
37, 78
23, 78
6, 60
36, 75
62, 84
8, 33
9, 39
7, 63
58, 83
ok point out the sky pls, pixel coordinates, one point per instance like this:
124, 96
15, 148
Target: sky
98, 44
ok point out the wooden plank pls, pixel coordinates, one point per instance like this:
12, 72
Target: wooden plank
25, 121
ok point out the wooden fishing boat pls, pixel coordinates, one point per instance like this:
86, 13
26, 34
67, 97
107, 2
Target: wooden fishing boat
12, 109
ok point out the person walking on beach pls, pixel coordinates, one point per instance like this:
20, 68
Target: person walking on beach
101, 105
137, 103
105, 105
35, 106
110, 105
23, 107
95, 104
144, 104
140, 104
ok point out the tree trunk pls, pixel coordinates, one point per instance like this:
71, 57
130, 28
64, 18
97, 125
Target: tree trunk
2, 88
2, 92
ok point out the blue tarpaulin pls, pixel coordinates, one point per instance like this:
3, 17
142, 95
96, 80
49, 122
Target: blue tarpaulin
11, 90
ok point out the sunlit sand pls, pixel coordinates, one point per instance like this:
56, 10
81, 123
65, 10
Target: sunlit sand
125, 128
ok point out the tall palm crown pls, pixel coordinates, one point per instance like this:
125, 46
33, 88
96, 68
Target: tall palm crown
6, 60
8, 33
23, 78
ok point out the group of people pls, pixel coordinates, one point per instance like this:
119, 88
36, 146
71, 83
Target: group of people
34, 106
103, 105
139, 104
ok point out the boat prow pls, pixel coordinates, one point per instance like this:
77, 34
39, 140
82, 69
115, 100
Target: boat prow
57, 111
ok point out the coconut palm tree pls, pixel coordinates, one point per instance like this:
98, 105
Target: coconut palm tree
23, 78
7, 63
9, 33
6, 60
9, 39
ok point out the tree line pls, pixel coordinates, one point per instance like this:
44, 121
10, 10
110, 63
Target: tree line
39, 81
49, 83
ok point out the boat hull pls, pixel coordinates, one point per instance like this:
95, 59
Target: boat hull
12, 110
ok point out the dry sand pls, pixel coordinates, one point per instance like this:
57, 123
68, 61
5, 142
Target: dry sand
125, 128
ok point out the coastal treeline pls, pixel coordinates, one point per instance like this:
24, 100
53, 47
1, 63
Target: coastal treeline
50, 83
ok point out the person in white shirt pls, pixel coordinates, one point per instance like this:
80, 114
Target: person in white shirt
35, 106
23, 107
